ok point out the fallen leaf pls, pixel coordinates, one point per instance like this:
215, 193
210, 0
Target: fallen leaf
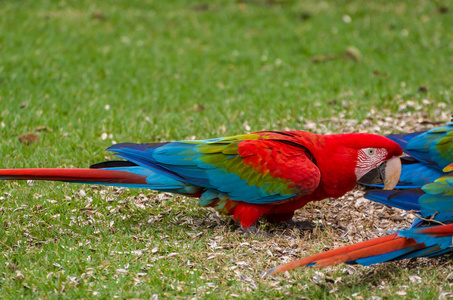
200, 7
199, 107
43, 128
304, 16
98, 16
323, 57
380, 73
19, 275
442, 9
353, 53
28, 138
11, 266
423, 89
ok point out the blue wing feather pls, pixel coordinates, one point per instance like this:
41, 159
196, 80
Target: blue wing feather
416, 175
403, 138
182, 162
427, 146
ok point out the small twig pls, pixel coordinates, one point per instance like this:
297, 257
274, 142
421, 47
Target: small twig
430, 220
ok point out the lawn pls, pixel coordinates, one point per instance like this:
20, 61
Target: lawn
81, 75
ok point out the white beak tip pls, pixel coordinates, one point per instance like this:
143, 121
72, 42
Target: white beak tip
392, 173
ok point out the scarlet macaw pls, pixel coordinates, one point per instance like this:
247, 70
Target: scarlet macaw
428, 153
268, 173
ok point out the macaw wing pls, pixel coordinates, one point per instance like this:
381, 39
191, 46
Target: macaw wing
403, 138
433, 147
438, 199
433, 199
254, 168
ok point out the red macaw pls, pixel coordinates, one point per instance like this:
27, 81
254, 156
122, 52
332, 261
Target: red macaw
268, 173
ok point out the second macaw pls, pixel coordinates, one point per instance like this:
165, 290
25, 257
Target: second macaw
427, 153
267, 173
429, 236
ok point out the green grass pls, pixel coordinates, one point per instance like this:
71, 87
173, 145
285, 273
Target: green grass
144, 71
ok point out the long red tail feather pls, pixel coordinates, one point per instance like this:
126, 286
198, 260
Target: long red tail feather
379, 249
78, 175
368, 248
438, 231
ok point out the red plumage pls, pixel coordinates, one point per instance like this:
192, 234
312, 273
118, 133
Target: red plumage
72, 175
438, 231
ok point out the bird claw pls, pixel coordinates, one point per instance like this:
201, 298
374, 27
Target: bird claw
254, 231
302, 225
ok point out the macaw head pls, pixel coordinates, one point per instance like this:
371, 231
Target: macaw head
348, 159
376, 159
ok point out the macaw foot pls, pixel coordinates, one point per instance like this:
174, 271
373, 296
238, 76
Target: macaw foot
302, 225
307, 225
340, 228
255, 231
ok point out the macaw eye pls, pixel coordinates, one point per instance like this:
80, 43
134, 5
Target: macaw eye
371, 151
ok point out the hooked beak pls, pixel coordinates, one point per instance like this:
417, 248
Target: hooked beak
388, 173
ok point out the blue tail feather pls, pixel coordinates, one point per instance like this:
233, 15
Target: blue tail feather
383, 257
425, 252
139, 147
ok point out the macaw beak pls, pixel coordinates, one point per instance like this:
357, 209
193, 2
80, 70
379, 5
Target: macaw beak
388, 173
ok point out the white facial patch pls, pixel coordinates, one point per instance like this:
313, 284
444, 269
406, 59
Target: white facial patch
368, 159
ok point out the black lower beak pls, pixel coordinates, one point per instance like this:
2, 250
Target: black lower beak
375, 176
388, 174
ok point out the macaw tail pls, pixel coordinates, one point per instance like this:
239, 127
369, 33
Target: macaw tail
429, 241
113, 173
350, 254
93, 176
